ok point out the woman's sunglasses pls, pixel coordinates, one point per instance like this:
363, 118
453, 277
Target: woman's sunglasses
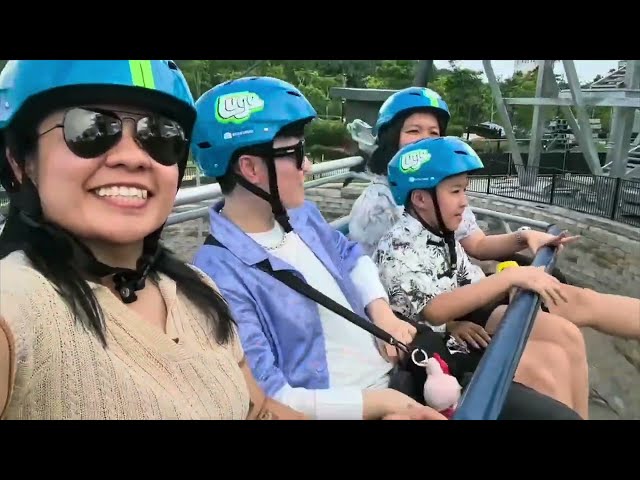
91, 132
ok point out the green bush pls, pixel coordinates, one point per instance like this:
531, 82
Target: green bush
330, 133
455, 130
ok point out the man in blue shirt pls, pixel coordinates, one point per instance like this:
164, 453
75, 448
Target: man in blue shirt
250, 132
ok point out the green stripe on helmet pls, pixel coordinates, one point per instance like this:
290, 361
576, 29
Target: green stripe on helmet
142, 73
433, 99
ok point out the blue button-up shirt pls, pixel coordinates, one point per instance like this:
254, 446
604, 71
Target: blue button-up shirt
280, 329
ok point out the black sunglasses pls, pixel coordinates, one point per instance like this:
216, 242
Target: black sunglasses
91, 132
296, 151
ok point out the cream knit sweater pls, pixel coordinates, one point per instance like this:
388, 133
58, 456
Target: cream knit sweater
59, 370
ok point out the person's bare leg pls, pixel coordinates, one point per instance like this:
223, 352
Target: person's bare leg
551, 332
555, 329
545, 368
613, 315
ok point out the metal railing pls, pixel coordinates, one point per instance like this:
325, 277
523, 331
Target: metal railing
211, 192
602, 196
484, 397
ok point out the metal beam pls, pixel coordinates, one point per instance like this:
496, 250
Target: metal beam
620, 140
566, 111
633, 173
506, 121
585, 134
622, 125
543, 89
599, 100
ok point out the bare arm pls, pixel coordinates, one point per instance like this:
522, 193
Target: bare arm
449, 306
496, 247
492, 247
5, 369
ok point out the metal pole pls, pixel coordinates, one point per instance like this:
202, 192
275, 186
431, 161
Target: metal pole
423, 72
506, 121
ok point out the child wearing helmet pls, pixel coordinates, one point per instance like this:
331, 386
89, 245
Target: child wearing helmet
409, 115
98, 320
429, 277
250, 135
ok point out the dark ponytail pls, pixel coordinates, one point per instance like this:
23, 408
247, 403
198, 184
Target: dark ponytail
387, 146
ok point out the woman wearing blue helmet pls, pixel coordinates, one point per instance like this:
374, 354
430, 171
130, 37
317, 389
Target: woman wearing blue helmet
97, 319
406, 116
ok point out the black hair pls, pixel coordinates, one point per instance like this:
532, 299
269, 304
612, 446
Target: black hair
228, 181
389, 138
50, 250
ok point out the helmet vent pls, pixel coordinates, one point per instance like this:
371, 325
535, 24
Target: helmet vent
461, 152
172, 65
204, 145
291, 92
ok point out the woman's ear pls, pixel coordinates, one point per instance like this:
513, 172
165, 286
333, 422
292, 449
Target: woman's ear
15, 168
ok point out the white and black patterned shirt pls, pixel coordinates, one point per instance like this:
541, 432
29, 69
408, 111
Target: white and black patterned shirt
414, 267
374, 213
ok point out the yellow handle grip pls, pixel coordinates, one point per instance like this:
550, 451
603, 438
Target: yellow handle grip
502, 265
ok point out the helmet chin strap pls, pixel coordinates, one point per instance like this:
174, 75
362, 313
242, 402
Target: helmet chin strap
448, 236
126, 281
279, 212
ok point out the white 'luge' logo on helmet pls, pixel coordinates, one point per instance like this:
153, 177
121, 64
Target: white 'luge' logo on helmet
412, 161
238, 107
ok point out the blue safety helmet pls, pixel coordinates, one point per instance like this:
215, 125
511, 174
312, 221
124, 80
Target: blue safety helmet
240, 113
425, 163
156, 84
32, 89
409, 99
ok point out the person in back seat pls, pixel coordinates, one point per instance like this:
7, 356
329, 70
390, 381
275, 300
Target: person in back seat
409, 115
250, 136
429, 278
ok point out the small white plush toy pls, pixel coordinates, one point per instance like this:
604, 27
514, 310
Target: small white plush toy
441, 390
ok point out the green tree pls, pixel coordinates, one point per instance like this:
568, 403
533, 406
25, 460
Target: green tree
520, 86
392, 74
466, 94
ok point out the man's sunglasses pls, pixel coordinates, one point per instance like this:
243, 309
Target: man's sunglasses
297, 152
91, 132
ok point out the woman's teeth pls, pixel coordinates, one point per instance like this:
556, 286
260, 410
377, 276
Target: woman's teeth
121, 192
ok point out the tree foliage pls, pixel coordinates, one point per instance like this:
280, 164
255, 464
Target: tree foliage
467, 94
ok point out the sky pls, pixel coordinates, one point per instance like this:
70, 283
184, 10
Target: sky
586, 69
